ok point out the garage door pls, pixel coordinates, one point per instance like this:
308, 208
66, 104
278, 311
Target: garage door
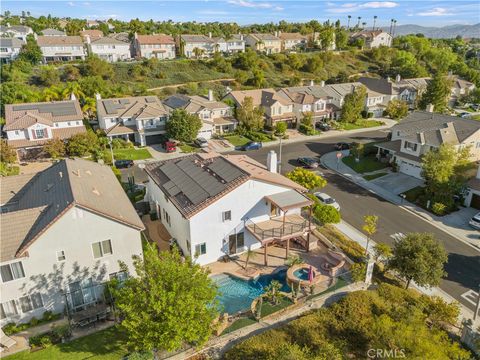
154, 139
410, 169
475, 203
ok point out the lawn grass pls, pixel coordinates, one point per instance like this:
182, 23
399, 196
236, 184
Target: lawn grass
362, 124
131, 154
413, 194
238, 324
237, 140
8, 170
475, 117
268, 308
351, 248
109, 344
189, 148
366, 164
374, 176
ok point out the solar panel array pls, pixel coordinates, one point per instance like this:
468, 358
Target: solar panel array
151, 99
56, 109
176, 101
124, 101
225, 170
112, 107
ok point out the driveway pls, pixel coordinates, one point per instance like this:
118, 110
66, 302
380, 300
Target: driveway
397, 183
458, 224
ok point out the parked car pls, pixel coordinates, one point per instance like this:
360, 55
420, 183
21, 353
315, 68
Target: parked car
327, 200
308, 162
342, 146
123, 164
323, 126
201, 142
464, 115
475, 221
252, 145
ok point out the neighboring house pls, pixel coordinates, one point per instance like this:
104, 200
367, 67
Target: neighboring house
276, 106
61, 48
158, 46
216, 116
30, 126
373, 38
314, 39
140, 119
15, 31
64, 231
235, 44
460, 88
266, 43
9, 49
292, 41
193, 46
109, 49
216, 206
92, 23
92, 34
52, 32
472, 198
423, 131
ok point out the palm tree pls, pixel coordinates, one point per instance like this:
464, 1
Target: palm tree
374, 22
348, 23
198, 52
250, 255
358, 23
52, 93
394, 27
89, 107
364, 24
391, 26
73, 88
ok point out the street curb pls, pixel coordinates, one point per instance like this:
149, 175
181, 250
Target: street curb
413, 212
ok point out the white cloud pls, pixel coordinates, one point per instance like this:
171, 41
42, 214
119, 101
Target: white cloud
379, 4
70, 3
436, 12
351, 7
251, 4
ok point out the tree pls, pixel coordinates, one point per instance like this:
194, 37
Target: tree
437, 93
280, 128
419, 257
198, 52
357, 150
326, 214
55, 148
48, 75
250, 117
8, 154
382, 251
353, 105
370, 227
258, 79
250, 256
439, 312
30, 51
358, 271
70, 73
169, 303
306, 178
94, 66
306, 124
183, 126
83, 144
396, 109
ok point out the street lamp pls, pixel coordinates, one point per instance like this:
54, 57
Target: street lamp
280, 156
111, 151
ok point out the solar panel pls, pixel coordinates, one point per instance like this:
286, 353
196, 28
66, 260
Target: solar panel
151, 99
225, 170
124, 101
112, 107
56, 109
176, 102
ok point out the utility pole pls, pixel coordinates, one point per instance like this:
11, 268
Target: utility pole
280, 156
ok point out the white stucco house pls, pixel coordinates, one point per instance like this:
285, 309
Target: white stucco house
63, 232
373, 38
422, 131
267, 43
9, 49
216, 206
109, 49
140, 119
15, 31
61, 48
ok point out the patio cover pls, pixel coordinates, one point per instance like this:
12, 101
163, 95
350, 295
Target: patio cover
290, 199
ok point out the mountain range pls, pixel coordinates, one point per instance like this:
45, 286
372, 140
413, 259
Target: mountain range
445, 32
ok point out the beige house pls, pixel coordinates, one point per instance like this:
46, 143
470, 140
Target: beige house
266, 43
292, 41
61, 48
63, 231
373, 38
158, 46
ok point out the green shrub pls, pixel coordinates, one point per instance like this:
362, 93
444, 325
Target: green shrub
10, 329
326, 214
439, 208
351, 248
34, 321
117, 173
48, 315
307, 130
121, 144
358, 271
258, 136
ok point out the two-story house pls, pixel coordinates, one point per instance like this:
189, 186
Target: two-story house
61, 48
159, 46
15, 31
30, 125
9, 49
235, 44
109, 49
276, 106
140, 119
267, 43
373, 38
216, 206
460, 88
216, 116
63, 231
422, 131
200, 46
292, 41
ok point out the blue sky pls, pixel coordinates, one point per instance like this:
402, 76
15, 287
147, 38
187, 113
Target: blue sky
421, 12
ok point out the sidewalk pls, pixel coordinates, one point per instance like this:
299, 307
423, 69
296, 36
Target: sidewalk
361, 239
330, 161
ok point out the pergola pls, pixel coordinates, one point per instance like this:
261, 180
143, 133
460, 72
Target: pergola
283, 226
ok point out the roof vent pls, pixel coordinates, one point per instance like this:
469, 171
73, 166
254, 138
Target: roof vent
88, 172
95, 191
60, 174
49, 186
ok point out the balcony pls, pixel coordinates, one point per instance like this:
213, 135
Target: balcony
279, 228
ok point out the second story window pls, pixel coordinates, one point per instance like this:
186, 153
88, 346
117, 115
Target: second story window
61, 255
227, 215
102, 248
40, 133
12, 271
410, 146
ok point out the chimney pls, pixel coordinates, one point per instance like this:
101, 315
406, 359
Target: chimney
72, 96
388, 79
272, 161
98, 96
276, 33
421, 135
210, 95
8, 25
478, 172
210, 35
312, 82
322, 83
87, 38
135, 35
241, 37
429, 108
398, 78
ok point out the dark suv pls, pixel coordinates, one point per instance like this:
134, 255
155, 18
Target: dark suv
123, 164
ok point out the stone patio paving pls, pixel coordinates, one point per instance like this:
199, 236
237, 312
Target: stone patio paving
157, 233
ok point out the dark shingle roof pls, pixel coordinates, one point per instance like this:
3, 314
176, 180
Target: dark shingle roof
11, 42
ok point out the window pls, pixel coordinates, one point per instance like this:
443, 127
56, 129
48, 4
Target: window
8, 309
200, 249
31, 302
40, 133
12, 271
82, 292
102, 248
410, 146
227, 215
17, 132
120, 276
61, 255
56, 125
240, 240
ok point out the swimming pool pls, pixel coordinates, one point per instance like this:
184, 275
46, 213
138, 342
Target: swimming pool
236, 294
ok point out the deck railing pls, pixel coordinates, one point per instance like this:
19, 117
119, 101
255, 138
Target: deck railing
285, 229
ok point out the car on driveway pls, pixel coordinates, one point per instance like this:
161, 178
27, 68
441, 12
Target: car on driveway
323, 126
252, 145
327, 200
464, 115
475, 221
342, 146
123, 164
308, 162
201, 142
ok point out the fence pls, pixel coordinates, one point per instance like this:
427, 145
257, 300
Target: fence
286, 229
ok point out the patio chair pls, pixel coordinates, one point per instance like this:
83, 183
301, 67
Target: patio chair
6, 341
83, 323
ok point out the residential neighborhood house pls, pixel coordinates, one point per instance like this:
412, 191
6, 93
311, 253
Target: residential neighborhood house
292, 41
61, 48
15, 31
64, 231
92, 34
9, 49
30, 125
158, 46
266, 43
52, 32
373, 38
109, 48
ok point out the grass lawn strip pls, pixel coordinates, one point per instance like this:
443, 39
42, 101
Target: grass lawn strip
268, 308
237, 140
238, 324
189, 148
365, 165
131, 154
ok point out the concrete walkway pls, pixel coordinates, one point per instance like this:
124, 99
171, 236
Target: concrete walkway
450, 223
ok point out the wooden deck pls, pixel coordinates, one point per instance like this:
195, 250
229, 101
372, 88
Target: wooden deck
279, 228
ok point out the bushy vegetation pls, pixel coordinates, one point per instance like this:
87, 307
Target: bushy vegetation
12, 328
351, 248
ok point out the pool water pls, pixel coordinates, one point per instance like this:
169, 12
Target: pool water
236, 294
301, 274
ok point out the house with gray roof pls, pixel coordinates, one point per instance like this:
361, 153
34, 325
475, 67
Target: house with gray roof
63, 232
53, 32
140, 119
9, 49
422, 131
15, 31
